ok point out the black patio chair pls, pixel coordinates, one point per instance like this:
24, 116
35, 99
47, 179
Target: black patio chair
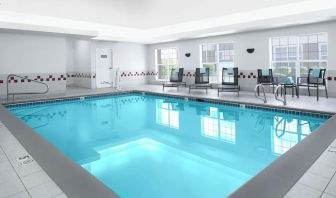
201, 79
176, 79
229, 81
315, 79
265, 77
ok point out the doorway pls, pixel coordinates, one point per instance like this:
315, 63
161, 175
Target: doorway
104, 66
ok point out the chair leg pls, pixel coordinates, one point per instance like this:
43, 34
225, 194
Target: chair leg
218, 92
308, 91
285, 90
317, 92
189, 90
163, 87
326, 91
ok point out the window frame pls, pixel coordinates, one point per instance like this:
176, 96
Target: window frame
173, 116
299, 52
221, 129
217, 77
157, 62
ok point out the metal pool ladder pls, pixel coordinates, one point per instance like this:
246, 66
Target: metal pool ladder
283, 100
263, 90
23, 93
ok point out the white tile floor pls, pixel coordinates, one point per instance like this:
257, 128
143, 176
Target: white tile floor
31, 181
320, 179
20, 174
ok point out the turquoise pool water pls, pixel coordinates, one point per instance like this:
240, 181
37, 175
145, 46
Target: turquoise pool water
147, 146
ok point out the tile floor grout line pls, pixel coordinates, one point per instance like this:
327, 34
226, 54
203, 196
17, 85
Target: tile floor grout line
16, 172
329, 194
57, 195
17, 193
328, 184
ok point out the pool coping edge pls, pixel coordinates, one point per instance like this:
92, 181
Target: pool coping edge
277, 179
255, 187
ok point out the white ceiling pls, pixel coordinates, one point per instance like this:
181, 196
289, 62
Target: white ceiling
137, 13
151, 21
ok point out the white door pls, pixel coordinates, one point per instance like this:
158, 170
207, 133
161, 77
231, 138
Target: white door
104, 68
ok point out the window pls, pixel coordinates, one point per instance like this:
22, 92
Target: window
287, 133
166, 59
166, 115
216, 127
215, 57
313, 52
228, 131
293, 56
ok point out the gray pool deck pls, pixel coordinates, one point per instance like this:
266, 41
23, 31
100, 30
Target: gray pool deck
25, 177
22, 178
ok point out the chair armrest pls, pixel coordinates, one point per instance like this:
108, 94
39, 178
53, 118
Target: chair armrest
318, 78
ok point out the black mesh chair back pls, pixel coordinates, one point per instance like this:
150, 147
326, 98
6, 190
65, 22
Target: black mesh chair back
176, 75
230, 76
202, 75
315, 75
265, 78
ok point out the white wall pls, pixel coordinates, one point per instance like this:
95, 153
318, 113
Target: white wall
244, 61
70, 60
258, 40
82, 64
128, 57
32, 55
82, 55
25, 53
70, 54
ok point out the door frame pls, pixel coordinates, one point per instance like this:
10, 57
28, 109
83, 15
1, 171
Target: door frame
98, 53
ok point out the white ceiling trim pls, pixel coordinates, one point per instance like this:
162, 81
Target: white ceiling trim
284, 15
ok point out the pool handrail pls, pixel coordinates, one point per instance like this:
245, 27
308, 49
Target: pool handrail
284, 101
256, 92
23, 93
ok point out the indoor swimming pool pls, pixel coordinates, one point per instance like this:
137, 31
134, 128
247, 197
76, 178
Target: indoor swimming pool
147, 146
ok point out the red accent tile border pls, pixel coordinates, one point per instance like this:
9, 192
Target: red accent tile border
138, 74
64, 77
81, 75
40, 78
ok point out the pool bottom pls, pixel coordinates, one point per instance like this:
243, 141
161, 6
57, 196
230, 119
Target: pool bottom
128, 165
